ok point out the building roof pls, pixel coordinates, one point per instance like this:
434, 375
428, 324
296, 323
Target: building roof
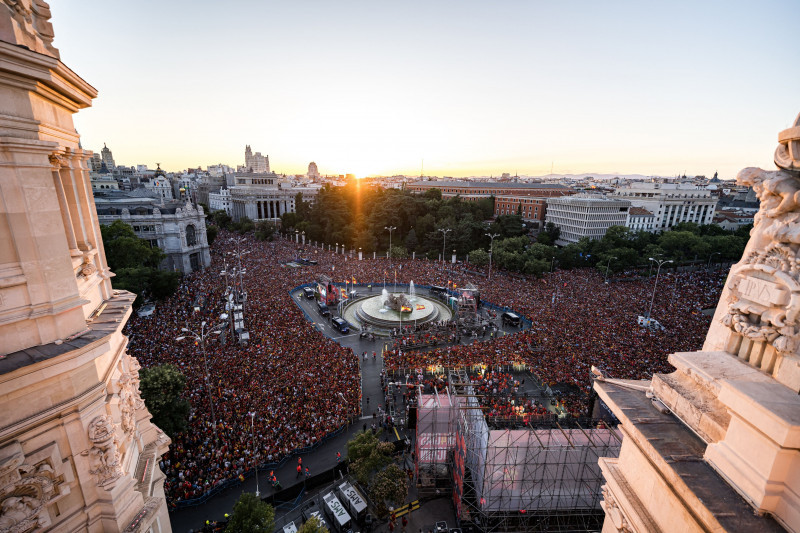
487, 185
640, 211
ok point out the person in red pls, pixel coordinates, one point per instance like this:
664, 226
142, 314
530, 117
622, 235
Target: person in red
404, 522
338, 457
391, 526
299, 470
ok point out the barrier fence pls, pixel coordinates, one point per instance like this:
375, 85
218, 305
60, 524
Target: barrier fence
230, 483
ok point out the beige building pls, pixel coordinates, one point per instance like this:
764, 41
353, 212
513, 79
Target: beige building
715, 445
77, 449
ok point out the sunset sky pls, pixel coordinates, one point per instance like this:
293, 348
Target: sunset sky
473, 88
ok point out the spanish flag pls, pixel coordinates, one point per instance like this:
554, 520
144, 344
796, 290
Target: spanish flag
354, 280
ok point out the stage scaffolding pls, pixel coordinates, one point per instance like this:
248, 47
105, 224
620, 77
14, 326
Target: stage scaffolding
503, 480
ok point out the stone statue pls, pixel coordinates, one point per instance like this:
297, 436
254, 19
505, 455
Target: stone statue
398, 302
18, 511
104, 455
763, 289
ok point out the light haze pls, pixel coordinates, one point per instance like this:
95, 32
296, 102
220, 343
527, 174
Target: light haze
473, 88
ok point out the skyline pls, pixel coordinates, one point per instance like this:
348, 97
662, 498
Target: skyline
508, 87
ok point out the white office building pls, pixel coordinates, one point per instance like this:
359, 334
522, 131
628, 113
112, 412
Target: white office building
585, 216
671, 203
220, 201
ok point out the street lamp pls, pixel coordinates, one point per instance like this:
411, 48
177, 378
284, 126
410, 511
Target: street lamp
201, 338
444, 239
491, 249
608, 265
253, 436
709, 259
659, 262
390, 229
552, 264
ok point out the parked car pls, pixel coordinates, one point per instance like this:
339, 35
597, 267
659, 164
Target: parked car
323, 309
309, 292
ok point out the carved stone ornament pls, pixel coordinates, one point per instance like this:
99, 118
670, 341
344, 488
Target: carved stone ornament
88, 267
25, 491
787, 155
134, 367
614, 513
764, 287
30, 26
58, 161
104, 455
127, 404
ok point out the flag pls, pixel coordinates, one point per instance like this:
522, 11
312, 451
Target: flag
354, 279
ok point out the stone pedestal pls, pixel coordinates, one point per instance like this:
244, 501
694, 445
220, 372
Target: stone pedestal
718, 447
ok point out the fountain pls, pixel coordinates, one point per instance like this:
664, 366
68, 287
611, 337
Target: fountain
389, 310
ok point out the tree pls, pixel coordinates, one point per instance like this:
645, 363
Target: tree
211, 234
243, 226
367, 455
411, 241
135, 263
161, 388
313, 525
390, 485
251, 514
265, 230
479, 257
125, 250
221, 219
398, 252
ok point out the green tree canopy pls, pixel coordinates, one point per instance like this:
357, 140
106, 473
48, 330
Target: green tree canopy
312, 525
479, 257
367, 455
161, 388
390, 485
250, 515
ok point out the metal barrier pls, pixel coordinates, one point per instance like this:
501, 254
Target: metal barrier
182, 504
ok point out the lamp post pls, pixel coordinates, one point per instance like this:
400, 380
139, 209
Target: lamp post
253, 436
390, 229
659, 262
552, 264
608, 264
709, 260
201, 338
491, 249
444, 239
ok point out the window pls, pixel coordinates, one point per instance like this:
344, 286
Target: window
191, 235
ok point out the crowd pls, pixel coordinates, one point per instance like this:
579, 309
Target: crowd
302, 385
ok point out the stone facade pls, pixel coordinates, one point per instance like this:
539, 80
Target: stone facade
671, 203
177, 227
77, 449
715, 445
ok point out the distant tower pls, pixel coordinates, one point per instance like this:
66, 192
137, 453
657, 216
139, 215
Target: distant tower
107, 158
313, 172
255, 162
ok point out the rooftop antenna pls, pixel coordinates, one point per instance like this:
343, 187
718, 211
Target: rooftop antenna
422, 169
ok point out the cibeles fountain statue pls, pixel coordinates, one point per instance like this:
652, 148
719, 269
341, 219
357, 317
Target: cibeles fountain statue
397, 302
738, 396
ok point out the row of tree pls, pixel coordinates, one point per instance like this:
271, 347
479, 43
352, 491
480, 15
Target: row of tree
357, 216
620, 249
